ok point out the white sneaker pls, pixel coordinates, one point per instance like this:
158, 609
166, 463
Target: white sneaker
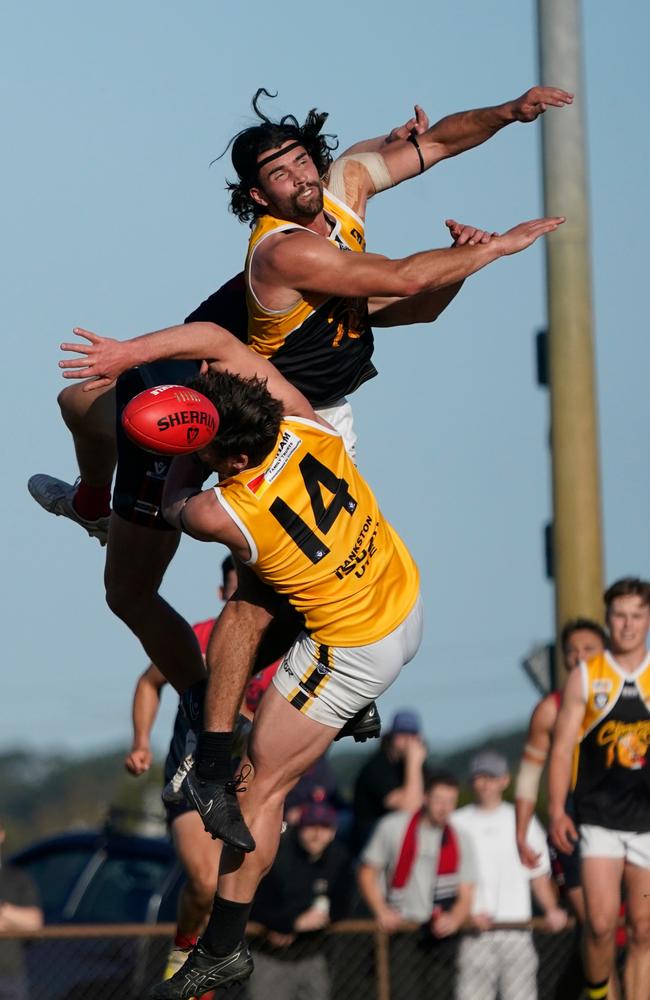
55, 496
172, 792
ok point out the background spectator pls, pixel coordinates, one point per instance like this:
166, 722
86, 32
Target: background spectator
392, 779
318, 784
19, 911
308, 886
417, 868
502, 962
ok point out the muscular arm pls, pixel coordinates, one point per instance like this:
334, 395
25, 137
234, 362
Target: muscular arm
422, 308
565, 738
300, 262
146, 702
104, 358
427, 306
459, 132
536, 750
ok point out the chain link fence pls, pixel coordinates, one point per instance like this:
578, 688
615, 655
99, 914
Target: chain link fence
351, 960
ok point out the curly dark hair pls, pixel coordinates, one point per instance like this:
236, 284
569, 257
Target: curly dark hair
250, 142
249, 416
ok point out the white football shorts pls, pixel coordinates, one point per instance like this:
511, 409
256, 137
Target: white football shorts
330, 684
600, 842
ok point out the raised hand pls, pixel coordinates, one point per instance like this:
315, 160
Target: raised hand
535, 101
419, 123
103, 359
462, 234
525, 234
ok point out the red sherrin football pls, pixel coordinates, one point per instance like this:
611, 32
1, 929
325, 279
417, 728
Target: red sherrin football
170, 420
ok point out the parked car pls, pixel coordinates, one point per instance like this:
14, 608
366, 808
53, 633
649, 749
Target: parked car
103, 876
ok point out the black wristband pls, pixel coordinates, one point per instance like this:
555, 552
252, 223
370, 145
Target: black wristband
413, 139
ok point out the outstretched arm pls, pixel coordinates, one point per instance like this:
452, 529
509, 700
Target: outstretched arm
459, 132
298, 262
103, 359
427, 306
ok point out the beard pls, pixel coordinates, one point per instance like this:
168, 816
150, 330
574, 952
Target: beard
308, 201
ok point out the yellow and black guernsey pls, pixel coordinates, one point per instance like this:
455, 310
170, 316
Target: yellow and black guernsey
322, 344
317, 536
611, 772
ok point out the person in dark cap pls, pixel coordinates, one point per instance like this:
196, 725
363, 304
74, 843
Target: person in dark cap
308, 887
393, 778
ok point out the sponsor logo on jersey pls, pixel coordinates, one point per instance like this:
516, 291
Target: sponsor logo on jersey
600, 699
603, 684
362, 552
627, 743
287, 446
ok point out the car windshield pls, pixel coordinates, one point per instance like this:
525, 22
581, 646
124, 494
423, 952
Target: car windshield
55, 875
120, 890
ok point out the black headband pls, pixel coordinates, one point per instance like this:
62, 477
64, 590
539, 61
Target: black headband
278, 152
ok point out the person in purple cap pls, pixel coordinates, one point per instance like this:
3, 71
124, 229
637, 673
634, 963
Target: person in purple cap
393, 778
308, 887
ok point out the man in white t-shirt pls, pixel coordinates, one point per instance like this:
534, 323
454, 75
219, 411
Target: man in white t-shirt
501, 962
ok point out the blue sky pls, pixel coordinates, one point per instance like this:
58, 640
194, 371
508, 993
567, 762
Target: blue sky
113, 220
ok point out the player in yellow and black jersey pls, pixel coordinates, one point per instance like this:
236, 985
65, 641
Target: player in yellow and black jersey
292, 506
308, 280
601, 747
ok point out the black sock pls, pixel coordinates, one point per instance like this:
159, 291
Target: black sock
213, 756
596, 991
226, 926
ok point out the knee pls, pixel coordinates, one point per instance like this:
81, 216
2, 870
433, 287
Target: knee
125, 599
600, 928
72, 404
638, 932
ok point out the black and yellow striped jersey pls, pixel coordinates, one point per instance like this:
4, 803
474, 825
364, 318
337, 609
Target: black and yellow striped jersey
611, 772
322, 344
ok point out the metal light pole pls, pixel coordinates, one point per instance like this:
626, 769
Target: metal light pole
577, 545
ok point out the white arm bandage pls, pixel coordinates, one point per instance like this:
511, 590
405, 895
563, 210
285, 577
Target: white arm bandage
528, 779
375, 166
